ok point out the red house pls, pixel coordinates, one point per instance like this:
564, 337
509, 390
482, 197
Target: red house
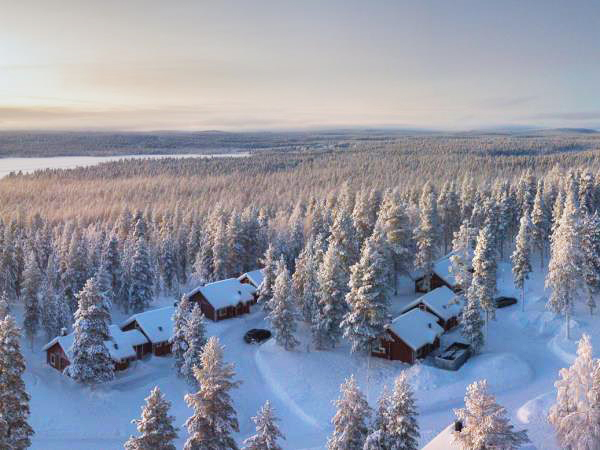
224, 299
442, 276
410, 336
157, 327
441, 302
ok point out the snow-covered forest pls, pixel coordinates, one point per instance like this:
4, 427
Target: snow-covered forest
339, 234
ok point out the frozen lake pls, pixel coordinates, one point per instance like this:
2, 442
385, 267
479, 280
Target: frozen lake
28, 165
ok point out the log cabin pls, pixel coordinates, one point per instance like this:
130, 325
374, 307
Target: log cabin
441, 302
442, 276
123, 348
410, 336
224, 299
254, 278
157, 327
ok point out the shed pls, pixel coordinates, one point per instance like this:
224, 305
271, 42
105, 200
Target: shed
224, 299
157, 327
442, 276
410, 336
443, 303
254, 278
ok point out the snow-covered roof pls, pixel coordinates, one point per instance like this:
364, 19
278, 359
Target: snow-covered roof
119, 346
442, 269
443, 441
256, 277
416, 328
442, 301
224, 293
157, 324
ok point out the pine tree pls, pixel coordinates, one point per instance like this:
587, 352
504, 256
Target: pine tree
586, 192
75, 272
31, 290
267, 431
448, 210
368, 299
179, 339
361, 218
342, 232
332, 305
485, 424
483, 285
576, 414
91, 363
401, 421
269, 263
350, 421
426, 234
195, 338
111, 263
4, 305
220, 252
15, 431
203, 262
590, 242
8, 267
282, 315
463, 247
214, 417
142, 278
521, 264
55, 313
472, 324
557, 210
155, 425
540, 225
565, 276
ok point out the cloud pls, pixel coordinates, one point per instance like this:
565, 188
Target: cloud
567, 116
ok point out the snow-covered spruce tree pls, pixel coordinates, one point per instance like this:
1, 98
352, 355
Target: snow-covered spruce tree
91, 363
55, 313
142, 278
521, 257
4, 305
361, 219
587, 190
75, 271
557, 210
156, 428
565, 277
111, 263
269, 273
283, 315
167, 258
267, 431
15, 431
195, 338
8, 267
590, 241
350, 421
576, 414
540, 222
220, 252
331, 306
483, 284
379, 438
304, 267
179, 340
463, 247
203, 261
394, 222
426, 234
448, 210
214, 417
368, 298
485, 425
235, 248
343, 233
472, 324
401, 424
526, 192
32, 280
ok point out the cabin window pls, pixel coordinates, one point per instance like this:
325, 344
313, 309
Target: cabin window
221, 312
52, 359
379, 347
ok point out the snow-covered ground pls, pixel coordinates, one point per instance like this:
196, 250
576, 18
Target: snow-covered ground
521, 359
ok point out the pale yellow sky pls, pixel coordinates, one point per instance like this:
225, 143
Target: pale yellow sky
235, 64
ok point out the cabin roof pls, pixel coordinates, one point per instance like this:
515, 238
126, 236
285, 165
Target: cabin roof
442, 301
443, 441
256, 277
442, 268
416, 328
224, 293
157, 324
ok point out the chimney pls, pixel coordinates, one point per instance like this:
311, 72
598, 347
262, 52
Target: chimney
63, 331
458, 426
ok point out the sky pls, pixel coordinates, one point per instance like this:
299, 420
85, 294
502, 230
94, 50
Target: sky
280, 64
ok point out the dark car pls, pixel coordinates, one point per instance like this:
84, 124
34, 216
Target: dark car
256, 335
503, 302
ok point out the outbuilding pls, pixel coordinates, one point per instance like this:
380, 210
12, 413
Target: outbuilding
441, 302
442, 276
410, 336
157, 327
254, 278
224, 299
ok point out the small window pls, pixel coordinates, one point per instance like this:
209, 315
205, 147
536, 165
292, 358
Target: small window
160, 328
52, 359
116, 346
222, 312
379, 347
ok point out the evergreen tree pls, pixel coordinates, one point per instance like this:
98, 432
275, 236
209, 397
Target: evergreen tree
111, 263
350, 421
155, 425
521, 264
179, 339
55, 313
269, 263
91, 363
142, 278
586, 194
557, 210
282, 315
472, 324
448, 210
590, 242
15, 431
235, 247
8, 267
220, 252
463, 247
483, 285
332, 305
75, 272
540, 223
4, 305
401, 421
31, 290
368, 299
168, 260
576, 414
267, 431
361, 218
426, 235
195, 338
214, 417
565, 276
344, 235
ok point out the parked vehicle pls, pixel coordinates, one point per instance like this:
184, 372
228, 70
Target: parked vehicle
503, 302
256, 336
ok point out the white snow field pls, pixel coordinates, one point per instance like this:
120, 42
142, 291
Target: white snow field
521, 359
